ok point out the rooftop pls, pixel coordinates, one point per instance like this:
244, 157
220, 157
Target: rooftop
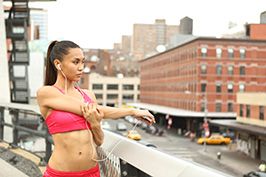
180, 112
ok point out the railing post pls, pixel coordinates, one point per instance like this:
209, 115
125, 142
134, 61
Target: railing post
15, 121
2, 121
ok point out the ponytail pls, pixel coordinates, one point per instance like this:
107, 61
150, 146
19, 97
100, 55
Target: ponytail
56, 50
51, 73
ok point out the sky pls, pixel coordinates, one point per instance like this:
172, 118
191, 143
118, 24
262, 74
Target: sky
100, 23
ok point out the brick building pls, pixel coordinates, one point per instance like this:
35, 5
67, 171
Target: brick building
256, 31
203, 71
216, 68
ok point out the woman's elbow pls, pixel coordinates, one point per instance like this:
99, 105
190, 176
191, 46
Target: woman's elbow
99, 142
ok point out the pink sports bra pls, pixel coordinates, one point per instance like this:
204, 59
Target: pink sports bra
62, 121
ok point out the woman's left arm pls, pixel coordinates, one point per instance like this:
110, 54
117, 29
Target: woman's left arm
94, 117
116, 113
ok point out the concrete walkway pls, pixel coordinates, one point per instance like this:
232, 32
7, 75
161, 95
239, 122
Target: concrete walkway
8, 170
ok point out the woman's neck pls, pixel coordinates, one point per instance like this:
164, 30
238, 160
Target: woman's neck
64, 84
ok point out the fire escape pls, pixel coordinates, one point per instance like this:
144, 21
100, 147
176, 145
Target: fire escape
17, 25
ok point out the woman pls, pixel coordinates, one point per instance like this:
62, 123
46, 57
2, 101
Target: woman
72, 115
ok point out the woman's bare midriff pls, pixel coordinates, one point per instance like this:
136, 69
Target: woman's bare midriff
73, 151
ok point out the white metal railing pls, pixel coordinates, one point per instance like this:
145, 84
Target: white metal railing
152, 161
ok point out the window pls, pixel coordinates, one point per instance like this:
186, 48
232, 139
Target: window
203, 87
202, 107
203, 52
242, 53
241, 110
247, 111
112, 86
203, 69
219, 70
261, 113
229, 107
99, 96
241, 87
97, 86
230, 88
242, 70
230, 70
112, 96
218, 52
218, 88
128, 97
128, 87
218, 107
230, 53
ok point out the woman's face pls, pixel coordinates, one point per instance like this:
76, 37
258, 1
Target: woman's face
73, 64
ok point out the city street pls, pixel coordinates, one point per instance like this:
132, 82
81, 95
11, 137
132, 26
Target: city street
231, 162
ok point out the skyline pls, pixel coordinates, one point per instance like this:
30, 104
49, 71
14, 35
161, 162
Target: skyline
90, 27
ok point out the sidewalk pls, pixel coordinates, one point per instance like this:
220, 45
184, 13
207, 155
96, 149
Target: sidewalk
8, 170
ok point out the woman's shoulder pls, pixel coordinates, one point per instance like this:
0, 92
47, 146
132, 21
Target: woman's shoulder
45, 91
89, 93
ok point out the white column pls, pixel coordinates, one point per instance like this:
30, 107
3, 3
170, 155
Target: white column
4, 74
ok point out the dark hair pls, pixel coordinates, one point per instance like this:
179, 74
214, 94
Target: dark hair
56, 50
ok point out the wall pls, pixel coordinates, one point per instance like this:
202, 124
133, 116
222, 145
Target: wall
4, 74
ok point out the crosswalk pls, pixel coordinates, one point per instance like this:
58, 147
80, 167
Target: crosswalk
183, 153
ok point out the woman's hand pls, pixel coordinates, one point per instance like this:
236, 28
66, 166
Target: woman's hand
92, 114
144, 116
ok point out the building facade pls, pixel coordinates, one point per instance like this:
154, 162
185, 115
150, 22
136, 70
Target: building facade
113, 91
39, 24
146, 37
204, 70
251, 109
250, 125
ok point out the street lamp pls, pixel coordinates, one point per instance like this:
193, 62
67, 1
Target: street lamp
205, 121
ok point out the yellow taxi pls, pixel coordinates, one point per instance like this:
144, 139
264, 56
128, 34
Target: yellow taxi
133, 134
214, 139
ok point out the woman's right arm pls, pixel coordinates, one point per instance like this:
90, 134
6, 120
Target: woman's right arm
48, 97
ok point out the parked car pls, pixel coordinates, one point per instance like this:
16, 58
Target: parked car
131, 119
214, 139
255, 174
143, 125
151, 129
133, 134
120, 126
106, 125
229, 135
